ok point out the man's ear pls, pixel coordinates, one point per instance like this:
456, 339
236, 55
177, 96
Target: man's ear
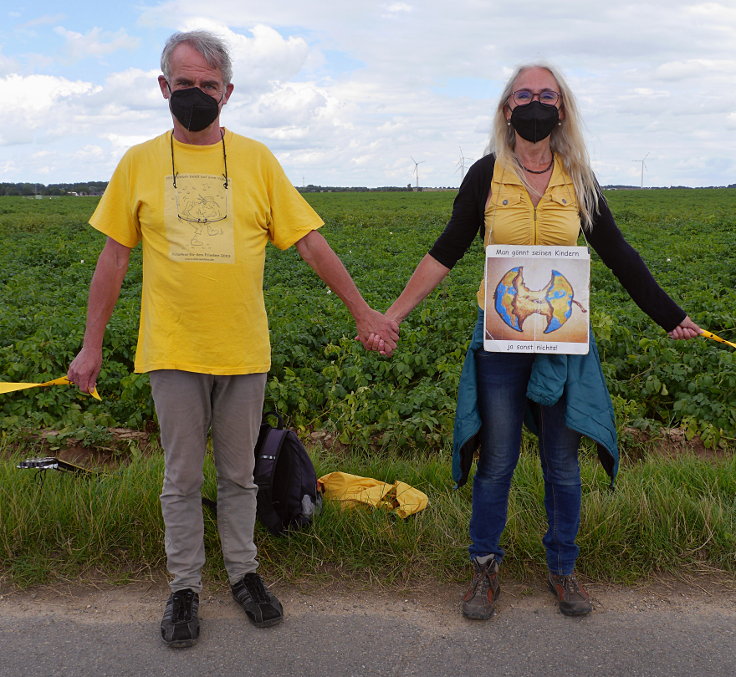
165, 91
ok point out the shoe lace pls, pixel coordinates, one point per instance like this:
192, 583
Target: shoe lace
482, 575
182, 606
254, 585
570, 584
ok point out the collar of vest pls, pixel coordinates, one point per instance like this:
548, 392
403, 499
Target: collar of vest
503, 173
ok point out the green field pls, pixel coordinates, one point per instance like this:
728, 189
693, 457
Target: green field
392, 416
321, 378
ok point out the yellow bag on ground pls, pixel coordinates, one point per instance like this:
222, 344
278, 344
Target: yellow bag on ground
351, 490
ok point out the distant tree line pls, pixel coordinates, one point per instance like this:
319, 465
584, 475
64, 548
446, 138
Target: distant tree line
353, 189
54, 189
625, 187
98, 188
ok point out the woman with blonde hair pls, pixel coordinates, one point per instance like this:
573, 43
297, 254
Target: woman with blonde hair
535, 187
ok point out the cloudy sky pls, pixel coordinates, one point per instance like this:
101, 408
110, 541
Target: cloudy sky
353, 93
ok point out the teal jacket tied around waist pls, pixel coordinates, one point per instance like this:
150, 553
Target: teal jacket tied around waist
578, 377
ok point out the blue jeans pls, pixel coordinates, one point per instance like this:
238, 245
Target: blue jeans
502, 384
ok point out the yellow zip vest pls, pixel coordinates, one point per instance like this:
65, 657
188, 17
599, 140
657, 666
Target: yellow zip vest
512, 218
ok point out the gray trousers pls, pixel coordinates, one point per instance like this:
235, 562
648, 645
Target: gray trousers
188, 406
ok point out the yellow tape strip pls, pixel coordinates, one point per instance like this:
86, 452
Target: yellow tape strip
710, 335
63, 381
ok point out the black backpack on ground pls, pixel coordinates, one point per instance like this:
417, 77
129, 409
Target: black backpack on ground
286, 479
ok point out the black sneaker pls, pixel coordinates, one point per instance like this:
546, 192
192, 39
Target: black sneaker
180, 624
259, 604
572, 597
480, 600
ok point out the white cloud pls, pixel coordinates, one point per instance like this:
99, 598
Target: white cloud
347, 92
95, 42
266, 56
44, 19
40, 92
134, 88
8, 169
38, 106
7, 65
397, 8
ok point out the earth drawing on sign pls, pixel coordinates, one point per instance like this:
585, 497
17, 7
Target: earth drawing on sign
515, 302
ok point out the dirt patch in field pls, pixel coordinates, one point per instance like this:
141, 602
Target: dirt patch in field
107, 453
116, 446
668, 443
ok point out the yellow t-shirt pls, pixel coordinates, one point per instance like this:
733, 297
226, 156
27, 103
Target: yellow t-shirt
203, 248
512, 218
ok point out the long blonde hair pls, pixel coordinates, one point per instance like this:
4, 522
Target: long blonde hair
566, 140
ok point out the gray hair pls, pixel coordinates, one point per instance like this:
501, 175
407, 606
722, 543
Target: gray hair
566, 140
211, 47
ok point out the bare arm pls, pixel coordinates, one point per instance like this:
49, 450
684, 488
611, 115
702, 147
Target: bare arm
428, 274
112, 264
315, 250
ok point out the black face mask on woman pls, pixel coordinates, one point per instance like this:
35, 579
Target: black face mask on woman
534, 121
194, 109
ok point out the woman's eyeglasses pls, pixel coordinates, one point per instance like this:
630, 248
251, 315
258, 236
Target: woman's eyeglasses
522, 97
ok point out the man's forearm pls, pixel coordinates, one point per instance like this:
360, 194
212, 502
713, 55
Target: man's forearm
104, 291
315, 250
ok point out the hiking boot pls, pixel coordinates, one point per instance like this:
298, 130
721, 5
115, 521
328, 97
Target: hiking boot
180, 624
259, 604
480, 599
572, 597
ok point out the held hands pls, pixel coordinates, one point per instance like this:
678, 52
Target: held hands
382, 343
378, 332
687, 329
84, 369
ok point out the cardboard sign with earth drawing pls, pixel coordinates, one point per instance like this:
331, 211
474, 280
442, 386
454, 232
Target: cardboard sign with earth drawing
537, 299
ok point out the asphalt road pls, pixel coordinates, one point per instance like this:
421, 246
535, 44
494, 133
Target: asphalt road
652, 632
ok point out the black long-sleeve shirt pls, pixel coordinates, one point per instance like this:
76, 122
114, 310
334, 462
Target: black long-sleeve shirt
468, 216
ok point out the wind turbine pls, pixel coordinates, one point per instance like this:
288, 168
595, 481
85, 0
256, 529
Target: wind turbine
643, 165
416, 170
461, 164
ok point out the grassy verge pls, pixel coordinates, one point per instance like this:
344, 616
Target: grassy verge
666, 516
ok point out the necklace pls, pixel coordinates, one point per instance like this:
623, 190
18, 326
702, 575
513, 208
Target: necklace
224, 157
541, 171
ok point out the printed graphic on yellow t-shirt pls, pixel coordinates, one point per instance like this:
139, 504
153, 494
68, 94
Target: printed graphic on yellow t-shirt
198, 219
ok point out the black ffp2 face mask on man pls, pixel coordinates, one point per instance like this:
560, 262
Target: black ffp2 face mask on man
194, 109
534, 121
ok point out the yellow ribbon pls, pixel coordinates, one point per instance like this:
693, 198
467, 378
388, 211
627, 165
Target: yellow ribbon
63, 381
710, 335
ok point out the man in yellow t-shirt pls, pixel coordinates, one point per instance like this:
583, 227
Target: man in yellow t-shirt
204, 202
